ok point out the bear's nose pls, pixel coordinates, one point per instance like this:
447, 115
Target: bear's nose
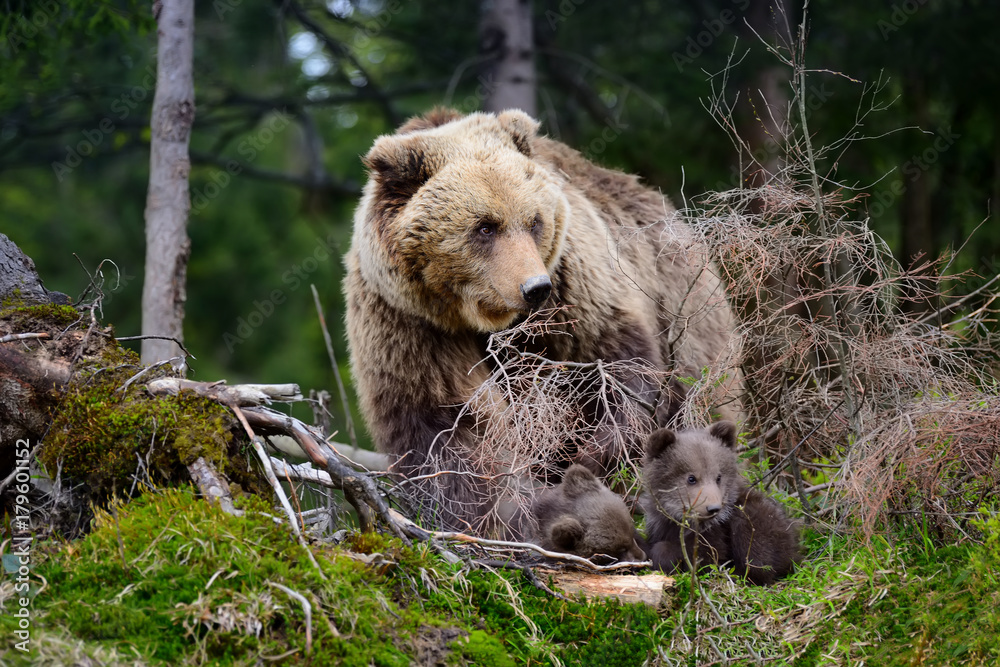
712, 510
536, 289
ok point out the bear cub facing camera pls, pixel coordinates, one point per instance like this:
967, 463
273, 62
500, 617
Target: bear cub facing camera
581, 516
697, 502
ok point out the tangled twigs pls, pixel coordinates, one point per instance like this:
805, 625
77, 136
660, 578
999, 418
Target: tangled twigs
247, 402
528, 546
269, 473
359, 489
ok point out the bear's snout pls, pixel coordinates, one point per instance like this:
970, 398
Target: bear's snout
536, 290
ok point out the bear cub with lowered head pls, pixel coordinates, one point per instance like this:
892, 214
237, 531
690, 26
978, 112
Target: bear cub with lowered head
699, 507
582, 516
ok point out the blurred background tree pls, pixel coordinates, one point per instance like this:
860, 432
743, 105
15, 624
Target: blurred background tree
291, 92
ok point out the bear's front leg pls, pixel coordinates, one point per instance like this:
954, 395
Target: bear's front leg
411, 378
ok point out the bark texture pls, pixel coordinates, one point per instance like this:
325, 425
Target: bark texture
168, 200
18, 277
506, 34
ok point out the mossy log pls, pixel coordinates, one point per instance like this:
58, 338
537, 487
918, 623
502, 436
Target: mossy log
91, 412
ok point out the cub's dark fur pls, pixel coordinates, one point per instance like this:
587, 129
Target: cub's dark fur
582, 516
694, 488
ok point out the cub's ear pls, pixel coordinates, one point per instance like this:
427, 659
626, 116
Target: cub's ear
724, 431
578, 481
659, 441
635, 552
521, 127
399, 165
566, 533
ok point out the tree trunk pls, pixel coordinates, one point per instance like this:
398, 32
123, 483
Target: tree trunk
506, 33
18, 278
168, 201
29, 382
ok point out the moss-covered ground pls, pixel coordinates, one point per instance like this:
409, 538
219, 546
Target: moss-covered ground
170, 580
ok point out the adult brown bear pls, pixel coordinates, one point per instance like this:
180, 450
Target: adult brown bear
467, 224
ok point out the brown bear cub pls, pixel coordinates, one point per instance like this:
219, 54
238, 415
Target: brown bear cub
582, 516
694, 488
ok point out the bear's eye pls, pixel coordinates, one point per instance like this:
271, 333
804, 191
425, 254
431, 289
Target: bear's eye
536, 223
692, 480
487, 229
718, 480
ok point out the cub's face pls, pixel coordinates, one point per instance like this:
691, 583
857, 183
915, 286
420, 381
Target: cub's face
465, 224
693, 476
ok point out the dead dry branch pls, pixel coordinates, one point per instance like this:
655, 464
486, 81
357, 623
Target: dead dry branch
531, 415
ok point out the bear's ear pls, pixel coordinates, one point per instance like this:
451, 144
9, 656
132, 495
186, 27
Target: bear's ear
659, 441
578, 481
724, 431
399, 165
521, 127
566, 533
436, 117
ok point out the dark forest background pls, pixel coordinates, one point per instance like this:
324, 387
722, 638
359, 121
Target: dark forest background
291, 93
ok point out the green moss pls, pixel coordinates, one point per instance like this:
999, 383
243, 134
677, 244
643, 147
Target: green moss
189, 585
481, 649
27, 316
100, 432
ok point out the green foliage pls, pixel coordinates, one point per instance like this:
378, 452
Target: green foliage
935, 607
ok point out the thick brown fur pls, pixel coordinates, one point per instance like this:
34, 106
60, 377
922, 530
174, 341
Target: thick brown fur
694, 488
459, 215
582, 516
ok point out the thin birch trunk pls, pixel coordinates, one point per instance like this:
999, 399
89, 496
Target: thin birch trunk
168, 201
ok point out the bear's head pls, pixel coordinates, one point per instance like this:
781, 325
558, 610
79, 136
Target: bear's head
582, 516
459, 224
693, 476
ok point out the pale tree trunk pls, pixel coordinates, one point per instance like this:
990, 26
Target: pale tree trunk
506, 34
168, 201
